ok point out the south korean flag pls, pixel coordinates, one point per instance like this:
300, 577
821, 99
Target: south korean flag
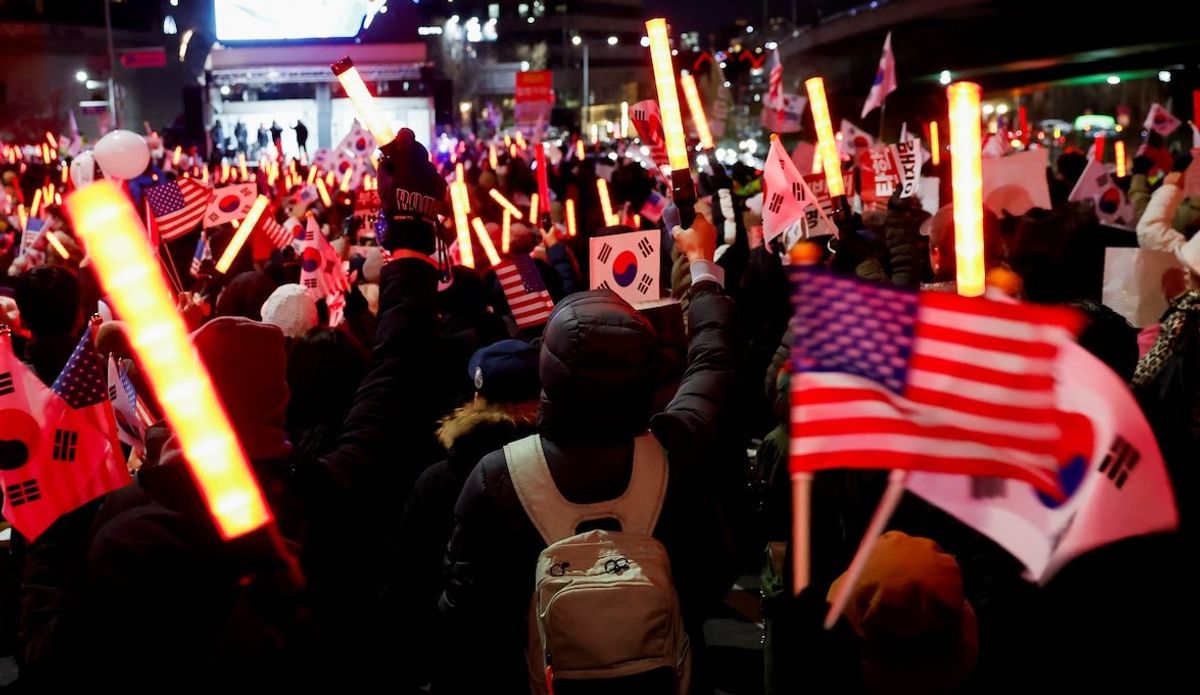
627, 264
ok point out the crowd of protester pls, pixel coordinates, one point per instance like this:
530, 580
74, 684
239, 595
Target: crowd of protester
380, 445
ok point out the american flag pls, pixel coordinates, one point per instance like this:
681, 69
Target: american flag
177, 206
647, 121
527, 297
82, 382
275, 231
203, 253
775, 81
885, 377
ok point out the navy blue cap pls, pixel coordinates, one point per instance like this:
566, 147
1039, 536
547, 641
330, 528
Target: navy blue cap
506, 372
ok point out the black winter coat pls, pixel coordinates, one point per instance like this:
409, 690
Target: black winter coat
493, 551
416, 554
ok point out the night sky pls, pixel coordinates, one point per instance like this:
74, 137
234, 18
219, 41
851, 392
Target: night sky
709, 15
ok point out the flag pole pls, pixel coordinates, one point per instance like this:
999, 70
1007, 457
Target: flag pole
883, 514
882, 111
804, 253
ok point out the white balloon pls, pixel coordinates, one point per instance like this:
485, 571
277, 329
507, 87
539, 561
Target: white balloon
122, 154
83, 169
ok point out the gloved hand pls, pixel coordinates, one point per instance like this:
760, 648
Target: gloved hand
1142, 165
412, 194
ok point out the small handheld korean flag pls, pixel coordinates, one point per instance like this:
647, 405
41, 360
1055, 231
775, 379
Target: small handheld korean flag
1113, 206
1161, 121
627, 264
230, 203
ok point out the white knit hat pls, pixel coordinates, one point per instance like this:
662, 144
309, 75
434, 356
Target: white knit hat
291, 309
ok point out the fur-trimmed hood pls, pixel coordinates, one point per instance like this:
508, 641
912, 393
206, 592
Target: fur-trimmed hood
480, 427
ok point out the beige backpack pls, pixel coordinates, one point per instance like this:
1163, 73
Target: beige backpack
604, 605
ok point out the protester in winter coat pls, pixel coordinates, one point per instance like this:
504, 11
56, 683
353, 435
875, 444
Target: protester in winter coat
158, 583
1155, 229
504, 410
324, 369
596, 363
49, 305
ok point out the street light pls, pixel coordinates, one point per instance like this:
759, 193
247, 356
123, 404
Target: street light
576, 40
81, 76
612, 41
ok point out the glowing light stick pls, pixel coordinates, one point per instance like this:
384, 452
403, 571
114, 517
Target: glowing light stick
324, 193
345, 185
534, 205
1119, 146
329, 179
505, 203
312, 175
348, 75
243, 233
521, 140
610, 219
460, 202
1100, 148
22, 217
66, 175
505, 230
580, 154
507, 141
224, 171
826, 145
624, 119
178, 153
571, 217
543, 179
967, 177
130, 274
492, 159
699, 119
56, 244
51, 139
935, 149
35, 203
683, 189
485, 240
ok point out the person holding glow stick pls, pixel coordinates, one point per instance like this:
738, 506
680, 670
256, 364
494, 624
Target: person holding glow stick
158, 574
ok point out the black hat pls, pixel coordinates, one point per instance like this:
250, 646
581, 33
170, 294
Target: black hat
411, 194
506, 372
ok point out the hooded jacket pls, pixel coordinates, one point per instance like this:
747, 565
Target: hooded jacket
158, 586
596, 368
415, 556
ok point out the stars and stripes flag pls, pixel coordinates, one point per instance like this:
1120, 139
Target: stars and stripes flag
276, 233
1113, 489
177, 206
203, 253
525, 292
130, 412
774, 81
885, 377
57, 446
647, 121
885, 79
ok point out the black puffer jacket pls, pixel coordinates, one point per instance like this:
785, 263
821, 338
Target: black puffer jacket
596, 368
415, 557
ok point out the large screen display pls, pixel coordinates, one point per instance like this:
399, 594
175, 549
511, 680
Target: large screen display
288, 20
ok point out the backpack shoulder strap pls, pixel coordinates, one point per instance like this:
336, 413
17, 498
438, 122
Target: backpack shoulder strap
550, 513
555, 518
639, 507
